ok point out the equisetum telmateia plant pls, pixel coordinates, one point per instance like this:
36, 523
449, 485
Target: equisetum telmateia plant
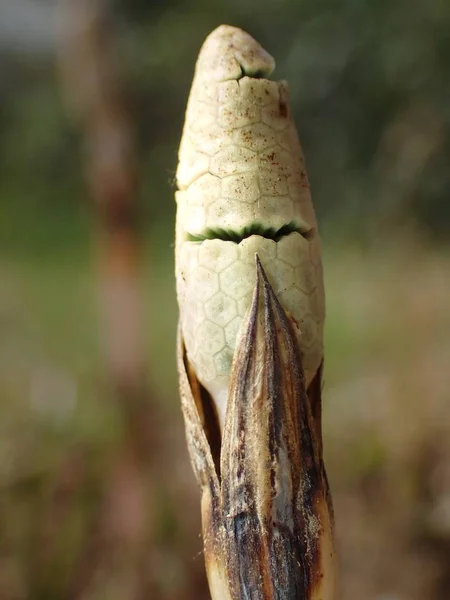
250, 345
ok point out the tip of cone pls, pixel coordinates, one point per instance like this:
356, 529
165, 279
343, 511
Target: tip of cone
231, 53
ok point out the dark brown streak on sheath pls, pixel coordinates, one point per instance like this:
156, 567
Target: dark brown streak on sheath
285, 544
299, 431
238, 493
198, 436
194, 418
315, 402
207, 413
271, 468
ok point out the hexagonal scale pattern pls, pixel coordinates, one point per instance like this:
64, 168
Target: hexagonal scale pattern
214, 307
243, 187
240, 162
213, 337
237, 280
204, 285
240, 130
221, 309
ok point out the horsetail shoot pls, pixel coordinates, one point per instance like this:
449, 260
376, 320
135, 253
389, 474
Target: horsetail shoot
250, 344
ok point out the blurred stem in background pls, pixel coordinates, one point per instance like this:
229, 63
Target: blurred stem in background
114, 556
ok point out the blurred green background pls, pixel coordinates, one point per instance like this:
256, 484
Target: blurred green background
370, 94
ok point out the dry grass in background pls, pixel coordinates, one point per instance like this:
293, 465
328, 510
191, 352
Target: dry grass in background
386, 424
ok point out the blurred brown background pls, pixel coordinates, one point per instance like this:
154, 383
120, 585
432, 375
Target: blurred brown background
97, 498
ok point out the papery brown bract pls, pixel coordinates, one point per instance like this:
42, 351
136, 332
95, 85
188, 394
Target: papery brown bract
267, 519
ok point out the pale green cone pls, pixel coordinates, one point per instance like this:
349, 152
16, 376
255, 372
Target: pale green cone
241, 171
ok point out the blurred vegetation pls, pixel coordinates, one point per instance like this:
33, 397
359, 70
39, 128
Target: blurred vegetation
369, 89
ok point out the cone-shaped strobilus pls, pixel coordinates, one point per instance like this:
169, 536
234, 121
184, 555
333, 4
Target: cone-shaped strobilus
250, 344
